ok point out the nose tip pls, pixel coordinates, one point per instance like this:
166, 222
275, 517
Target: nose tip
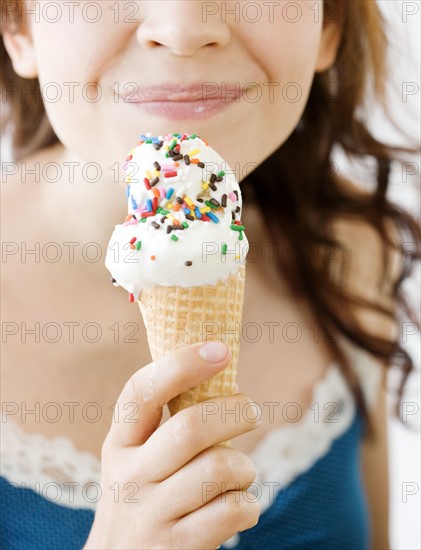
181, 28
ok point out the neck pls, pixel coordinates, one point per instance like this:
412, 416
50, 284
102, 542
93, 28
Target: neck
93, 194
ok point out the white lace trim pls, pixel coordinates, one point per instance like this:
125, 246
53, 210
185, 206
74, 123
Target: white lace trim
54, 468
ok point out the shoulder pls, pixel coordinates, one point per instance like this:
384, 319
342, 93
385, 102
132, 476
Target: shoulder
367, 267
21, 182
30, 169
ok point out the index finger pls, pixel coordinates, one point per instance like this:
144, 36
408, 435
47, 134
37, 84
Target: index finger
152, 386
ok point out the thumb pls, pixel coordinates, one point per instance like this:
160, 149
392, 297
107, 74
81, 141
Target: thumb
139, 407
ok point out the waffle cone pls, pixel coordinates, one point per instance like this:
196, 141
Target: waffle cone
175, 316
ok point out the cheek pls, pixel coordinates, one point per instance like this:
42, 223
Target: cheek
70, 73
287, 51
73, 46
287, 48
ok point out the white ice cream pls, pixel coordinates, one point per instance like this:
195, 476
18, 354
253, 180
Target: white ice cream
142, 254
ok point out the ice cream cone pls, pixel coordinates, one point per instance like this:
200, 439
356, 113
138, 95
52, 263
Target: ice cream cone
175, 316
184, 226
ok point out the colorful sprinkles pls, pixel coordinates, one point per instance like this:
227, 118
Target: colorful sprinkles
170, 208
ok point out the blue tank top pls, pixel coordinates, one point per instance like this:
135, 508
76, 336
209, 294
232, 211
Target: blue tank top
323, 508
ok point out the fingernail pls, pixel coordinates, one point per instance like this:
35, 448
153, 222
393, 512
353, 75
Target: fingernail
213, 352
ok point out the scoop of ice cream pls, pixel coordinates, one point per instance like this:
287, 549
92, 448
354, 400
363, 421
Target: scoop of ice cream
184, 217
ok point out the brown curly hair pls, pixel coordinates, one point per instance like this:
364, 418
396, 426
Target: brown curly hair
313, 193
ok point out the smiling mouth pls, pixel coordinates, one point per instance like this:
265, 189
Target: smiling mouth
177, 102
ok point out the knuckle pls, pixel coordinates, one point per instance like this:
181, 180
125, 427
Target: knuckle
245, 465
241, 463
250, 468
251, 412
174, 361
183, 426
242, 512
233, 506
130, 390
134, 385
179, 538
253, 514
139, 386
216, 465
106, 448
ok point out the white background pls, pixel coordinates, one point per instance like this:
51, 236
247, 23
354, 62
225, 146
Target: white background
404, 448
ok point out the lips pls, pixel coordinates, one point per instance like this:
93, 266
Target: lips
203, 91
174, 102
